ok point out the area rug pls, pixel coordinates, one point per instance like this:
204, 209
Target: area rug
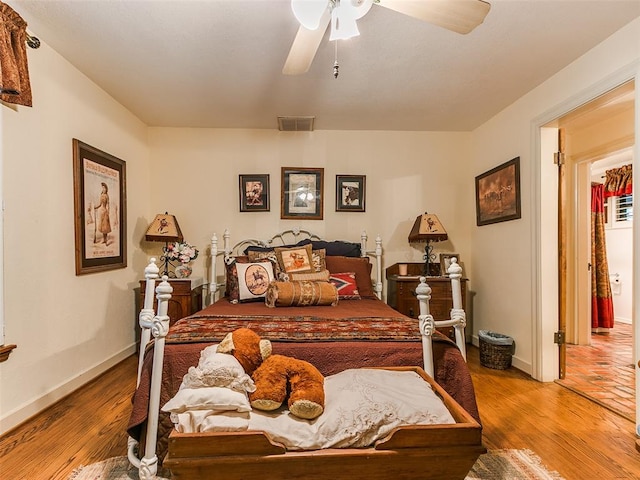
495, 465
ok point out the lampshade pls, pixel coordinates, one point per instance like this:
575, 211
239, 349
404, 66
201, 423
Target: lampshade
428, 228
164, 228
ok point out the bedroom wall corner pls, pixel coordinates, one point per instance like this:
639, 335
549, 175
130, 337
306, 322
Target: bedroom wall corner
68, 328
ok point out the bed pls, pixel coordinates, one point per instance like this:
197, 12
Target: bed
357, 333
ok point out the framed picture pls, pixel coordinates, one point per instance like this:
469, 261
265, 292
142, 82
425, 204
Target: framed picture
302, 196
100, 209
498, 193
445, 262
350, 193
254, 193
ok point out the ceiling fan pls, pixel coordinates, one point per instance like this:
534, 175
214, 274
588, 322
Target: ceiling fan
460, 16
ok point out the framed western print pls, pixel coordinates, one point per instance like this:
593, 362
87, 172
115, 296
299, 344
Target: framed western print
350, 193
254, 193
100, 209
302, 196
498, 193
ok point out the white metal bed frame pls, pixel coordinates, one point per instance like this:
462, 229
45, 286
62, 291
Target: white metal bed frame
157, 324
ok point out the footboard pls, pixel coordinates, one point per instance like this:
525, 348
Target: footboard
445, 452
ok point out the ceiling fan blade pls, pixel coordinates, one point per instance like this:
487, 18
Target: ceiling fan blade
460, 16
305, 46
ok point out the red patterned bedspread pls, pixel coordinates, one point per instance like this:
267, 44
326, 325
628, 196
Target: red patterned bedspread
365, 319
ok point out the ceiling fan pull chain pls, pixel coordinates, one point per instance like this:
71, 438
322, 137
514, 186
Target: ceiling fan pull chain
335, 64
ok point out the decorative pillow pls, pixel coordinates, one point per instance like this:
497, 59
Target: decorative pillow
346, 285
317, 259
321, 276
193, 421
360, 266
301, 294
295, 259
233, 279
209, 398
231, 276
338, 247
217, 370
257, 255
253, 280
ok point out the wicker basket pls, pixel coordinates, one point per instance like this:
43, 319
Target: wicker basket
496, 350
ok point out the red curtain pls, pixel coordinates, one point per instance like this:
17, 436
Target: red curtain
601, 299
619, 181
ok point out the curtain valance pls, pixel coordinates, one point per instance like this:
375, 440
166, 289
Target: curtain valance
618, 181
14, 71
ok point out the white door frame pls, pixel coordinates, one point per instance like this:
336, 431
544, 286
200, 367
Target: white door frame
545, 358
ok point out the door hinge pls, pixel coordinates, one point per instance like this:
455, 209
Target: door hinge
558, 337
558, 158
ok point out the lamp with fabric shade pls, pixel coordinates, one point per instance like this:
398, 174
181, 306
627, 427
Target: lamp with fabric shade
164, 228
427, 228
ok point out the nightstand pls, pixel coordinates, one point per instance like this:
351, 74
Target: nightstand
401, 293
184, 300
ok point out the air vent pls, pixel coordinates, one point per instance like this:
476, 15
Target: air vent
296, 124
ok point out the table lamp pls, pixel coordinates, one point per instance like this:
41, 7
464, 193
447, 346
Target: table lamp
427, 228
164, 228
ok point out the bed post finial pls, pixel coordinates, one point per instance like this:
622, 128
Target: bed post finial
457, 312
426, 324
363, 243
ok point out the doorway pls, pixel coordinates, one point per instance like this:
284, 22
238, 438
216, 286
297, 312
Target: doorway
599, 135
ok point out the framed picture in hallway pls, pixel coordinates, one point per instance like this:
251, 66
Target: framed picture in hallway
100, 209
498, 194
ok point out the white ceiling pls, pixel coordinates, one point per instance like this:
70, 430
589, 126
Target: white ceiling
211, 63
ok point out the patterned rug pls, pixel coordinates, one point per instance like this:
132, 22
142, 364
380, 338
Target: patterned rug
495, 465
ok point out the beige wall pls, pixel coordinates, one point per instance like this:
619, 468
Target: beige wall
195, 176
67, 327
507, 258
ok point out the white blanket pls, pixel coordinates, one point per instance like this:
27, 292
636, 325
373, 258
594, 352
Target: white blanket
361, 407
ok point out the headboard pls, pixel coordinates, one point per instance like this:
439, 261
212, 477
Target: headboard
287, 237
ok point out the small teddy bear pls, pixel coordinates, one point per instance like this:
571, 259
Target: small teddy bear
275, 376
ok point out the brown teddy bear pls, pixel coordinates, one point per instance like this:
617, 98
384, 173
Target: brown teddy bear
278, 375
275, 376
248, 348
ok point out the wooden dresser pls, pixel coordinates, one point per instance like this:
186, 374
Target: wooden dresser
401, 293
184, 300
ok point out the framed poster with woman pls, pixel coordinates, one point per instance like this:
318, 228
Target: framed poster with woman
100, 207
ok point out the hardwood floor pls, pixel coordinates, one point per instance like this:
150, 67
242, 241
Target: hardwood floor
574, 436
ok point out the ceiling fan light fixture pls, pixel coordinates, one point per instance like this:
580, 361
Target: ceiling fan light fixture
343, 22
309, 12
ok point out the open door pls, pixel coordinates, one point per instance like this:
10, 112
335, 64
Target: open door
562, 256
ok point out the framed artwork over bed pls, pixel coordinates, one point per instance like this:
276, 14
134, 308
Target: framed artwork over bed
254, 193
100, 209
302, 193
498, 194
350, 193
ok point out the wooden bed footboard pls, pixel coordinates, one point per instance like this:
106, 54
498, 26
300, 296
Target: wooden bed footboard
437, 452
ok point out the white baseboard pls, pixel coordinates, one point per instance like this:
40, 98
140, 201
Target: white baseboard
24, 413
